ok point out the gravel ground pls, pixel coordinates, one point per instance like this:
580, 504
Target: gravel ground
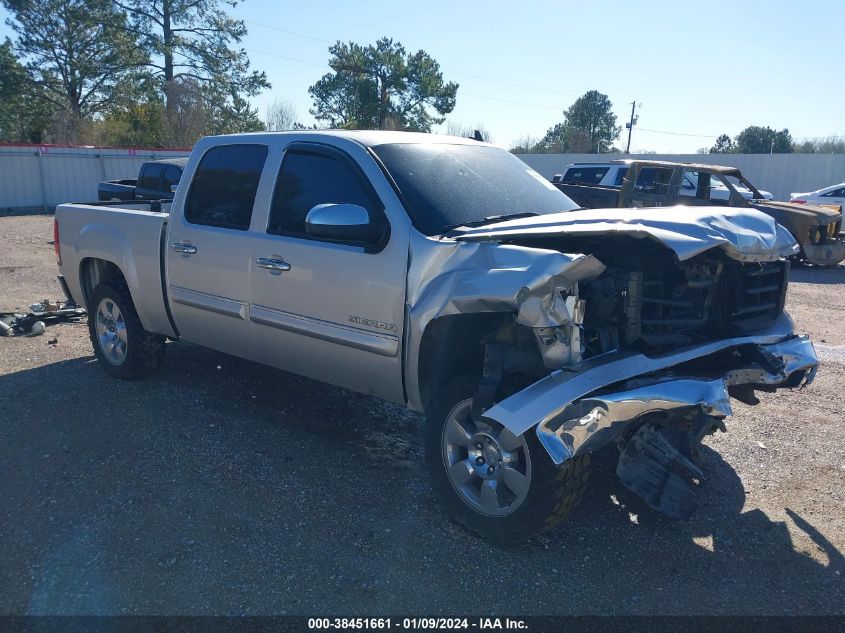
221, 487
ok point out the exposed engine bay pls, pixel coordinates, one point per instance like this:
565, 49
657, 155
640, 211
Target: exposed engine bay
648, 301
613, 328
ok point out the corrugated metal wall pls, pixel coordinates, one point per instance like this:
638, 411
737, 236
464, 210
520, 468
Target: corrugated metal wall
781, 174
38, 177
42, 177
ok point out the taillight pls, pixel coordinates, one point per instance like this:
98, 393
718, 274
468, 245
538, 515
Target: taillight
798, 201
56, 246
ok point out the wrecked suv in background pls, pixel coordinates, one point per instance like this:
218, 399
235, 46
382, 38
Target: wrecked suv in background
445, 274
660, 183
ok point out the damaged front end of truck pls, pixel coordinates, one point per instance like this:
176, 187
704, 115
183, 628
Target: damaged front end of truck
606, 326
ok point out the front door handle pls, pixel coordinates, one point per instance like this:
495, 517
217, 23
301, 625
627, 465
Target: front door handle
186, 248
278, 265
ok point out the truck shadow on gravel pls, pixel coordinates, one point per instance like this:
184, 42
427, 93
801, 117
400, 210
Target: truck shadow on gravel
223, 487
817, 274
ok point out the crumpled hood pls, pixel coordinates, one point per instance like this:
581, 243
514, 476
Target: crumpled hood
821, 214
744, 234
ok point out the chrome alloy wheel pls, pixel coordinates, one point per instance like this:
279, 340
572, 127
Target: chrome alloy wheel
111, 331
489, 467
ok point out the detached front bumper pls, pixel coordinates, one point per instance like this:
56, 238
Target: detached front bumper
827, 253
579, 410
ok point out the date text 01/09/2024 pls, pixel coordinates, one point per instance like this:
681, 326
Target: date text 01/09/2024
416, 623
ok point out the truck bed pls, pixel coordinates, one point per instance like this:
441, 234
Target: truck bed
129, 236
117, 189
591, 196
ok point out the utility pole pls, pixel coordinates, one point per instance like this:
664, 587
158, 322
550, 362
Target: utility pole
630, 127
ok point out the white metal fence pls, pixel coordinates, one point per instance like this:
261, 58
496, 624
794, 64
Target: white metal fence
781, 174
40, 177
33, 177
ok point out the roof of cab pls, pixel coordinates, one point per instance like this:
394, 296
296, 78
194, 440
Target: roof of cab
179, 162
706, 167
367, 138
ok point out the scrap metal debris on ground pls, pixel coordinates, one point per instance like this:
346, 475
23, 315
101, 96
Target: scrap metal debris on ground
40, 316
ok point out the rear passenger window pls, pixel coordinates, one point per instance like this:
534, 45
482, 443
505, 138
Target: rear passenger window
585, 175
653, 180
836, 193
224, 186
620, 176
307, 179
172, 174
150, 177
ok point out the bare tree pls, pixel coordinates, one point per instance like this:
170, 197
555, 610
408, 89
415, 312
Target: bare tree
67, 127
829, 145
453, 128
526, 145
188, 118
195, 41
281, 115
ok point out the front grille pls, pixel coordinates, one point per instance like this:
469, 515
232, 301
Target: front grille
664, 307
756, 294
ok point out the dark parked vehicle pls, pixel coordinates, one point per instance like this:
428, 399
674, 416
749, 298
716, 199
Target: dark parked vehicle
155, 182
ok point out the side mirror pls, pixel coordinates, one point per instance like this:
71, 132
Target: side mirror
343, 222
173, 188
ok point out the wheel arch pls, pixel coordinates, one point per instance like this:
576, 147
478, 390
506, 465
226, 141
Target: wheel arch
94, 271
453, 345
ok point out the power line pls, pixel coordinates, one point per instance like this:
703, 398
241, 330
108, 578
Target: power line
464, 74
512, 85
291, 59
482, 97
463, 93
448, 70
281, 30
519, 103
645, 129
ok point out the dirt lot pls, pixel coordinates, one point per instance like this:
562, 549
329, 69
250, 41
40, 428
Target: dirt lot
222, 487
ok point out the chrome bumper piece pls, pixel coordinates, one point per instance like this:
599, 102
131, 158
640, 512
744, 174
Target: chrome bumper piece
569, 420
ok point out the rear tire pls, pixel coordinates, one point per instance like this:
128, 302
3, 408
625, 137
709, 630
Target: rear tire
122, 346
534, 499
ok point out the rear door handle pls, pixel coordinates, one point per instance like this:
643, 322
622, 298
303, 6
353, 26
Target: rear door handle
278, 265
186, 248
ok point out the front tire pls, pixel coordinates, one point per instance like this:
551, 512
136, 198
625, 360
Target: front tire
122, 346
504, 487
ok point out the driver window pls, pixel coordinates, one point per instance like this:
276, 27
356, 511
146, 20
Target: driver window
307, 179
653, 180
695, 185
688, 183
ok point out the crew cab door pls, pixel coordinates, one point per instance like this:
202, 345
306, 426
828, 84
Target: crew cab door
208, 250
149, 182
172, 176
329, 309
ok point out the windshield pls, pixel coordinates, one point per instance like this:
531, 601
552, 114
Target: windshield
448, 185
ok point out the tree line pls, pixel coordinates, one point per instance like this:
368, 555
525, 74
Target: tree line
126, 72
588, 127
166, 72
764, 140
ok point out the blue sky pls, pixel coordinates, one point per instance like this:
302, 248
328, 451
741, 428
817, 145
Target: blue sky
697, 68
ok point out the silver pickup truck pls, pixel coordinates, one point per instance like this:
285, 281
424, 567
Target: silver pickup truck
446, 275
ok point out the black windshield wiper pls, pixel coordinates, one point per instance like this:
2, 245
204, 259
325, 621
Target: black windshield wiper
490, 219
